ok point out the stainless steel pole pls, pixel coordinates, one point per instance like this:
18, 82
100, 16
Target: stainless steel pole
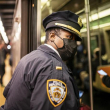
38, 22
87, 10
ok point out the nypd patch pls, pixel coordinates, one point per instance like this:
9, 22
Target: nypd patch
56, 91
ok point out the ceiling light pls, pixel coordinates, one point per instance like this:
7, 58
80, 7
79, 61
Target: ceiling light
44, 1
43, 39
3, 33
96, 27
104, 13
48, 3
97, 15
94, 17
2, 29
84, 20
104, 25
41, 6
1, 23
8, 46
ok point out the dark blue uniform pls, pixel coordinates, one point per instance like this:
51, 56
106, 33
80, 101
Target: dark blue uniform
41, 81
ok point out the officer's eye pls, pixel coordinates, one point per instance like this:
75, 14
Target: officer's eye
70, 37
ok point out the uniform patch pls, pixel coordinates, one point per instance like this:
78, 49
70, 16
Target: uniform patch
56, 91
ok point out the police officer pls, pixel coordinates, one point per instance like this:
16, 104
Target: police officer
41, 80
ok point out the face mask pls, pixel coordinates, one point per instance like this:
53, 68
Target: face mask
68, 50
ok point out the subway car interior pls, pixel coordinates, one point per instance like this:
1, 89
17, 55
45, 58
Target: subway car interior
21, 31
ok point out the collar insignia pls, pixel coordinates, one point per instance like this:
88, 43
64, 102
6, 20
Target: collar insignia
56, 91
58, 68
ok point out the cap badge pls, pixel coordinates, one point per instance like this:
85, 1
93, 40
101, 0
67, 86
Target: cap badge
80, 22
56, 91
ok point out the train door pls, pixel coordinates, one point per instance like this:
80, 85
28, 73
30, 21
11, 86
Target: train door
28, 27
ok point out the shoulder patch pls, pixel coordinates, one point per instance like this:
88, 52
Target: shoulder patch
56, 91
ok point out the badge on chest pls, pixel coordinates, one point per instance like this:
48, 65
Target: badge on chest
56, 91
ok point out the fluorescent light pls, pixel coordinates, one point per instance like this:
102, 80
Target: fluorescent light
41, 6
94, 17
2, 29
104, 25
43, 39
83, 30
96, 27
48, 3
4, 37
3, 33
44, 1
104, 13
84, 20
8, 46
1, 24
97, 15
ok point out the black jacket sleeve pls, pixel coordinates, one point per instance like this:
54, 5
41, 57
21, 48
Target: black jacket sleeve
106, 80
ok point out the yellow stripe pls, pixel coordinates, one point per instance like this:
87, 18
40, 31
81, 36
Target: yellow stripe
69, 27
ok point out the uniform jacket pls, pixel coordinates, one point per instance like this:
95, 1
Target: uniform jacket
41, 81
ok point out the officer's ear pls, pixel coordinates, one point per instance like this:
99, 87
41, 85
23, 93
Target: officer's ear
52, 36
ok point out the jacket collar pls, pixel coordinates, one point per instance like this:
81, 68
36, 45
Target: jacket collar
52, 48
50, 51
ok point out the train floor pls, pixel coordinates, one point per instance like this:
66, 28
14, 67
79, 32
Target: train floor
101, 100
